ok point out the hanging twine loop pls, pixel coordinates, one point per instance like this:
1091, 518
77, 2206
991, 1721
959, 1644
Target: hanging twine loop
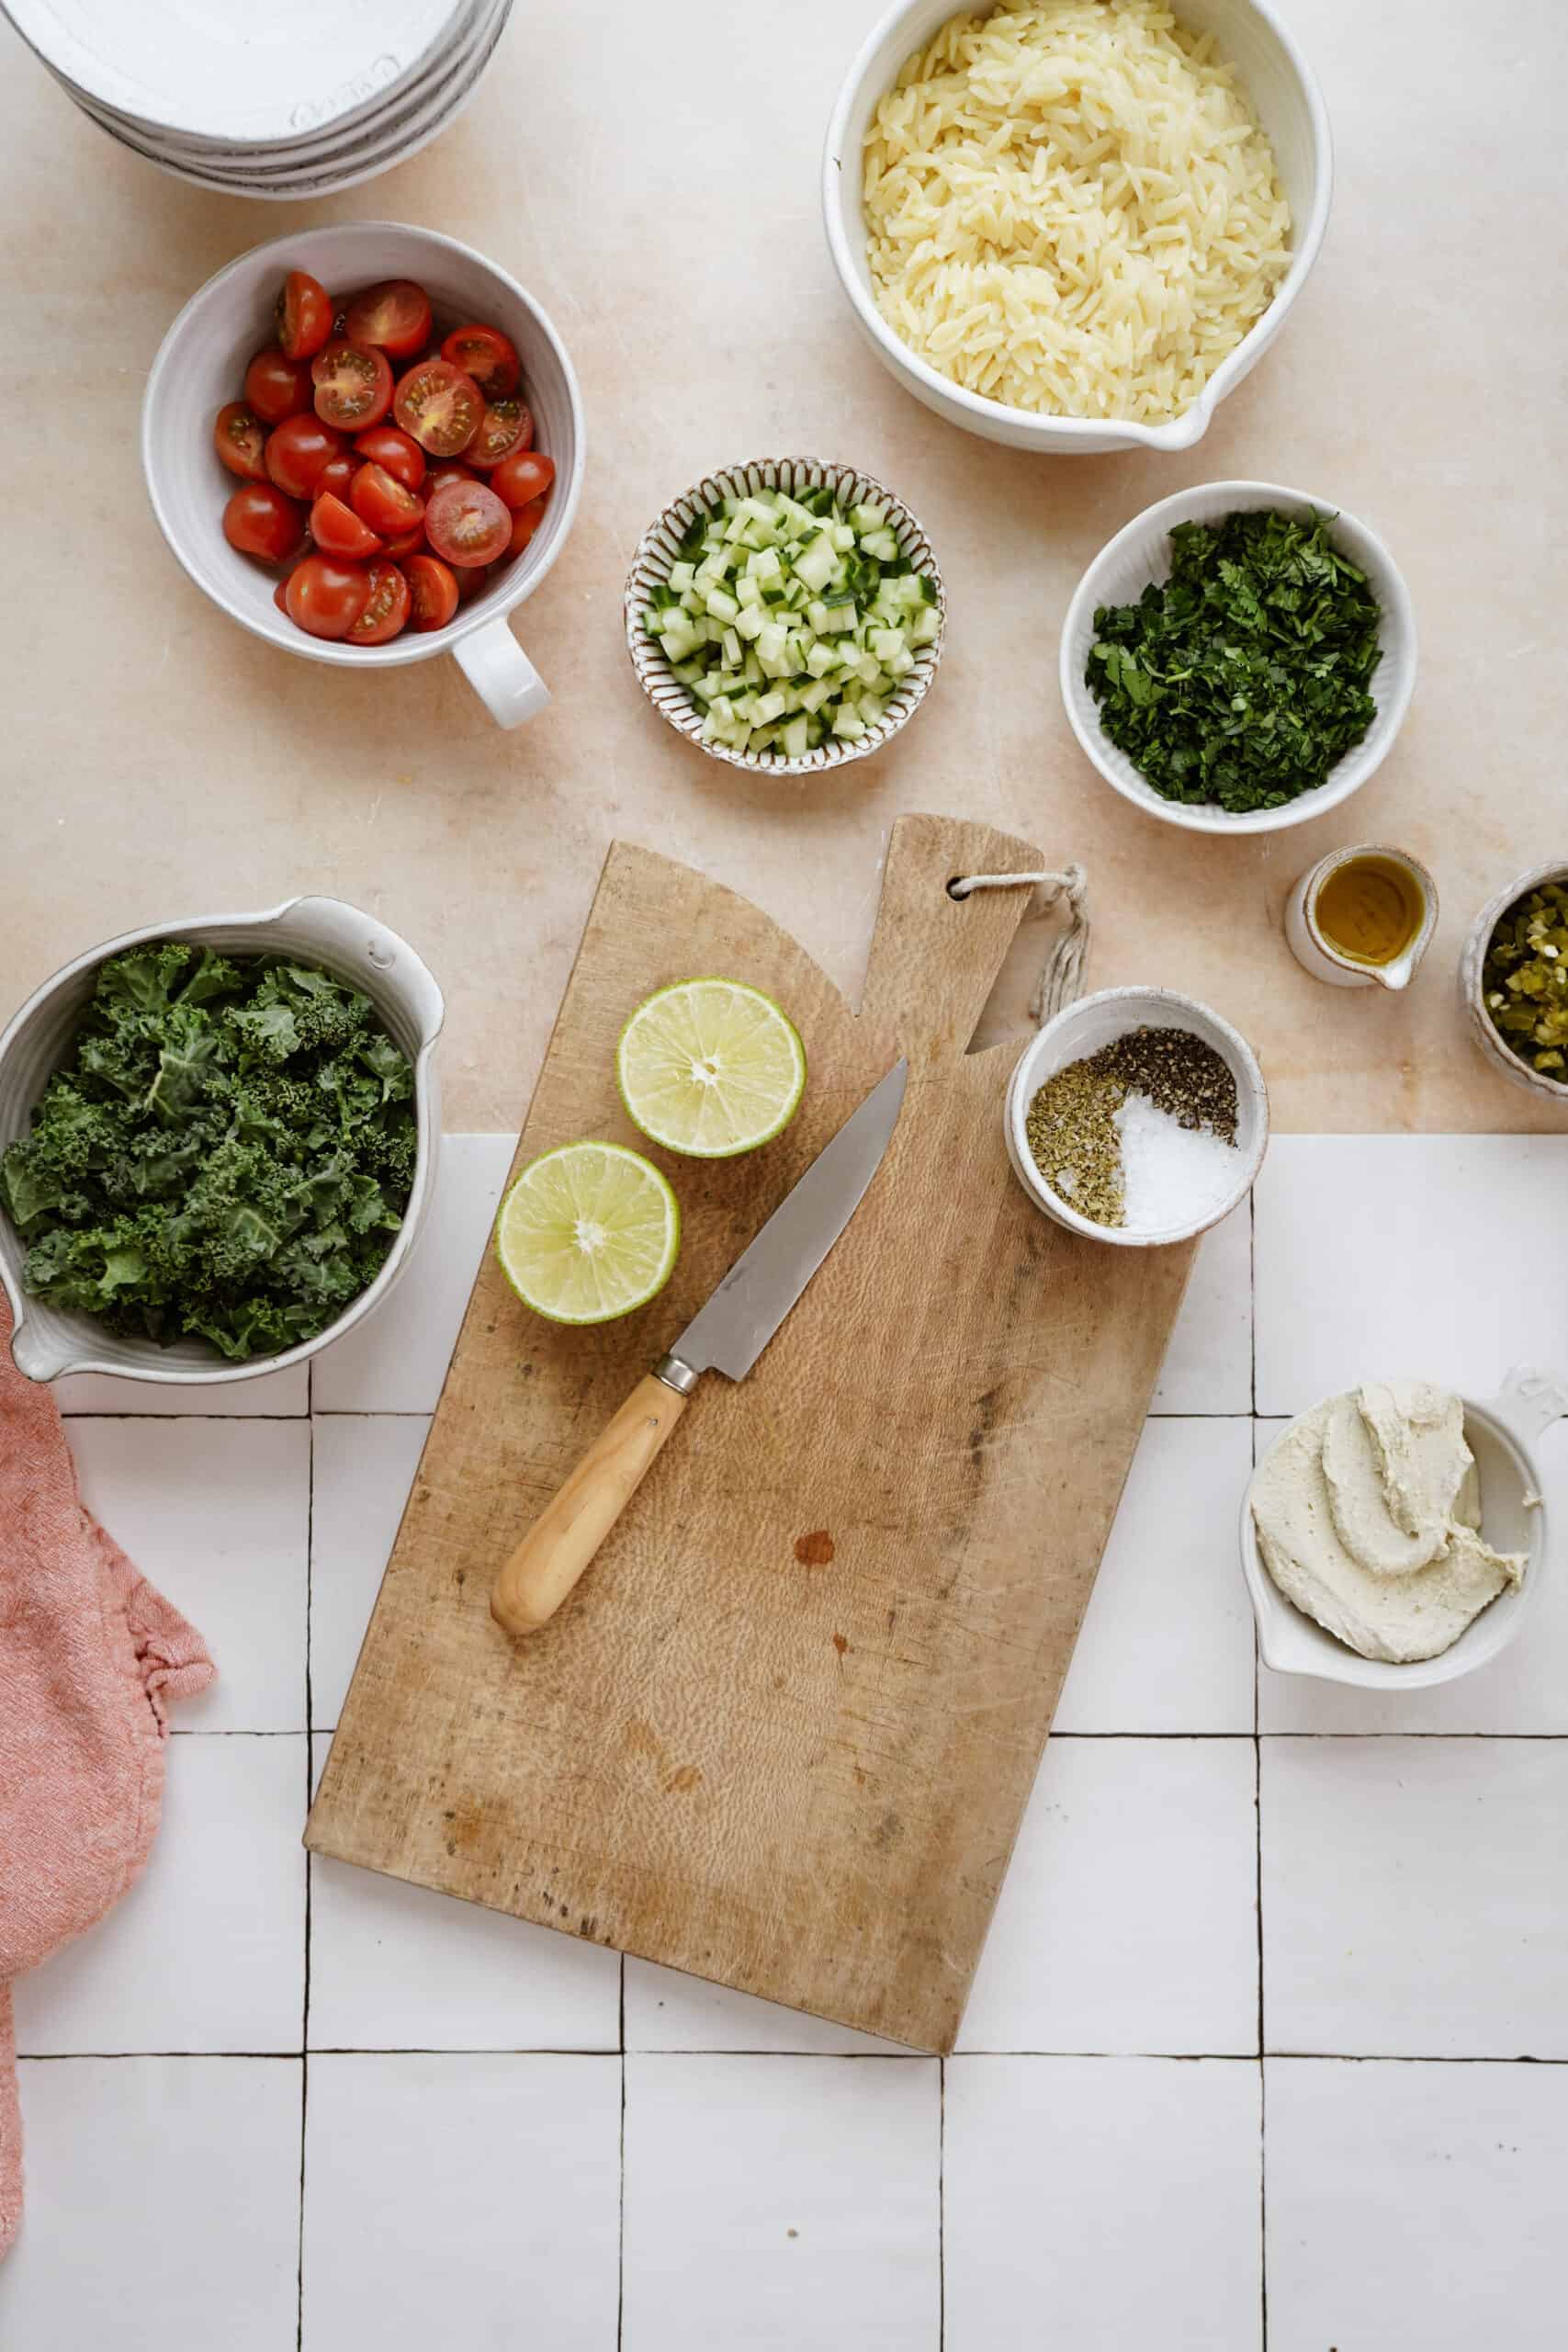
1061, 979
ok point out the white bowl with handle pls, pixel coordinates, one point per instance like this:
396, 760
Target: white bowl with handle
1501, 1432
201, 364
1252, 37
47, 1340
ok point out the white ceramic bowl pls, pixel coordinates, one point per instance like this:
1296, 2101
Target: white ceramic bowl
658, 550
1140, 553
1081, 1029
1472, 963
1278, 80
201, 364
1500, 1434
45, 1342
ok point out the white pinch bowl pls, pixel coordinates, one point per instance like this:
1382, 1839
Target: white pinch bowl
1472, 963
1140, 553
658, 548
1500, 1432
1081, 1029
201, 364
1252, 36
46, 1342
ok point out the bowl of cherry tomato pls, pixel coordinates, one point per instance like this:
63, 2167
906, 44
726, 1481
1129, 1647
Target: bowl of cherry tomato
365, 443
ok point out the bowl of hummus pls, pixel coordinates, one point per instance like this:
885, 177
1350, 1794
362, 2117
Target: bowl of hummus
1395, 1535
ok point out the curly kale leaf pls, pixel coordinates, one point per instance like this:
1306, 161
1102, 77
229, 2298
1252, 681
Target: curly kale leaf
227, 1152
1245, 677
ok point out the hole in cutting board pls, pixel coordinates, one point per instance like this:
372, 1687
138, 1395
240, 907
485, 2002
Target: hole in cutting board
1004, 1016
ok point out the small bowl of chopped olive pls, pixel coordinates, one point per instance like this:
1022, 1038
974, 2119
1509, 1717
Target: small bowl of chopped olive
218, 1144
1514, 981
1239, 657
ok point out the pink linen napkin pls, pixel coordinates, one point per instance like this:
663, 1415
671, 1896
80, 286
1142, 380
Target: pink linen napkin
89, 1657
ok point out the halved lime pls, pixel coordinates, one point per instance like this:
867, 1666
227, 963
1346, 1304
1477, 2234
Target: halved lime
587, 1232
711, 1068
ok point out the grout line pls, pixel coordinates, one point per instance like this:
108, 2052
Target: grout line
326, 1731
305, 2010
621, 2223
1263, 2206
839, 2057
941, 2205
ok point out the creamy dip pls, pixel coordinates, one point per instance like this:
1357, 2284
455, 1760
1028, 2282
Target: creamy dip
1368, 1514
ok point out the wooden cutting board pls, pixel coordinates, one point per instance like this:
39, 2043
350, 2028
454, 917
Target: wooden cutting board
783, 1734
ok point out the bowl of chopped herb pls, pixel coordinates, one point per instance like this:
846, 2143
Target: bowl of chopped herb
1514, 981
217, 1141
1239, 657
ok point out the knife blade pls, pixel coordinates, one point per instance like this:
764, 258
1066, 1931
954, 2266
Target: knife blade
730, 1333
726, 1335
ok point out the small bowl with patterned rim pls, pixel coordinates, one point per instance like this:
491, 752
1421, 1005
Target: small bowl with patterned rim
660, 546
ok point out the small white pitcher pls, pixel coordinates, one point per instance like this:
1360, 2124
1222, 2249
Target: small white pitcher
1318, 955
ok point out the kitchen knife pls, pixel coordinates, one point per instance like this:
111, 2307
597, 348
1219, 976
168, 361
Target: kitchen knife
727, 1335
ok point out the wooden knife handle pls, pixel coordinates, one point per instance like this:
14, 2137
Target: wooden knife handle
564, 1538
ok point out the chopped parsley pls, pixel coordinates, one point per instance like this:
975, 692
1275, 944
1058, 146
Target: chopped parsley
1245, 677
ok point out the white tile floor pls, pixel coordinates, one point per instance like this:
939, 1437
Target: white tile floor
1243, 2065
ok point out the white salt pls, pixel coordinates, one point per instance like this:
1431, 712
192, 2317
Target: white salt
1172, 1174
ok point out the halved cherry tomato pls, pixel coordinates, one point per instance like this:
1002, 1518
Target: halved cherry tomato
337, 475
433, 587
383, 503
524, 523
452, 470
353, 384
384, 444
276, 386
467, 524
297, 451
405, 543
338, 530
524, 477
440, 406
486, 355
259, 520
474, 581
393, 317
304, 314
385, 608
239, 439
505, 429
326, 597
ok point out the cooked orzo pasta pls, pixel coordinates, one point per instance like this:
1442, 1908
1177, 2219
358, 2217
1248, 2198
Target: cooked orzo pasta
1071, 208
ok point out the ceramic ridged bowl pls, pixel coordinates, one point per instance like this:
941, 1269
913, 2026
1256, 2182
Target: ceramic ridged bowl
48, 1340
660, 546
1495, 1047
1140, 554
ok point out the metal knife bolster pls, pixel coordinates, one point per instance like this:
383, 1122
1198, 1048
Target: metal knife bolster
676, 1374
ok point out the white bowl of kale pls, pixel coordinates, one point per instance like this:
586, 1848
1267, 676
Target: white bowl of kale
1239, 657
218, 1142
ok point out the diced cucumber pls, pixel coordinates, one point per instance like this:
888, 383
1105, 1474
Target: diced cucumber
791, 620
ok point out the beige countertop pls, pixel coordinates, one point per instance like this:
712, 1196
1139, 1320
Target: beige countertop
652, 178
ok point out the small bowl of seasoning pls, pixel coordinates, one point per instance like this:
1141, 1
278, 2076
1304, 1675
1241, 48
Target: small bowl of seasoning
1138, 1117
1240, 656
1514, 981
1362, 918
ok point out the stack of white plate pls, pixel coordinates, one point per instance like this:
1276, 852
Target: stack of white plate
295, 98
